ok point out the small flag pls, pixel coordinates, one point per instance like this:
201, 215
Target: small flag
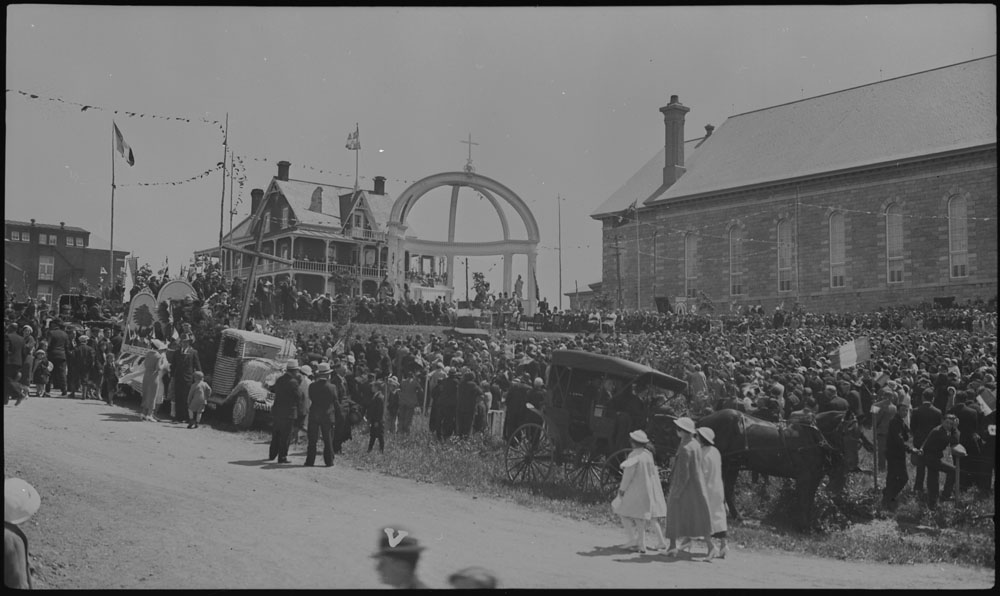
353, 141
122, 147
851, 353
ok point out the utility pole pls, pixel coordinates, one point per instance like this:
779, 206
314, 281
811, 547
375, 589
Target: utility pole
618, 268
467, 282
655, 234
638, 286
559, 203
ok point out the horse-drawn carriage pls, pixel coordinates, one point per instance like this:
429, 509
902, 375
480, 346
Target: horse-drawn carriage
592, 402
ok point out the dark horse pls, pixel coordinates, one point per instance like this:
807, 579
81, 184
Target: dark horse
803, 451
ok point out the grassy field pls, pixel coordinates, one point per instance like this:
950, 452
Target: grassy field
850, 529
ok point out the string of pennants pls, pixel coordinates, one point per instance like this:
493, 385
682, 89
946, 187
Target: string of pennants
128, 114
322, 171
175, 183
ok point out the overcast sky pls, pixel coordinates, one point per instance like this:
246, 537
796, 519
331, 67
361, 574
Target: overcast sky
562, 101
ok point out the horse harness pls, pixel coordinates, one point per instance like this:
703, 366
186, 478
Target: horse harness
781, 428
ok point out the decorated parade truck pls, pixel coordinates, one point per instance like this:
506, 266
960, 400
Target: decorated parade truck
246, 364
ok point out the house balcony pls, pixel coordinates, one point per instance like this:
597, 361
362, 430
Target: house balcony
274, 267
366, 235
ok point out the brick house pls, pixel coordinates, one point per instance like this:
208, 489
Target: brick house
47, 260
877, 195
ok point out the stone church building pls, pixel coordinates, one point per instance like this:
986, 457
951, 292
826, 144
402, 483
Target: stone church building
882, 194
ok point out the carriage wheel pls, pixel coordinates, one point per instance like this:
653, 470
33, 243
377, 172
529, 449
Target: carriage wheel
611, 472
529, 455
585, 470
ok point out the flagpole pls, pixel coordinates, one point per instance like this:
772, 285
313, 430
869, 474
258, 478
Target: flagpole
111, 249
222, 202
559, 203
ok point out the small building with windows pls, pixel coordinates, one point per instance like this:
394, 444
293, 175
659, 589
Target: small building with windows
336, 239
48, 260
879, 195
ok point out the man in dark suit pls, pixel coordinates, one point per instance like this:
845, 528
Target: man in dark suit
923, 419
285, 410
324, 401
13, 361
969, 419
517, 406
182, 366
84, 361
940, 438
58, 351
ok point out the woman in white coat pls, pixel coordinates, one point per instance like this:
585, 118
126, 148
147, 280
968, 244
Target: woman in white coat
152, 380
640, 496
712, 468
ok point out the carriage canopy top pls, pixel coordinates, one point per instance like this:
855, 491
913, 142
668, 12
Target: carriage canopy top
618, 367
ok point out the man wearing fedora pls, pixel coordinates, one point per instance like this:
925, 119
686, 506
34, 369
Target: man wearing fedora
183, 363
285, 410
397, 556
323, 403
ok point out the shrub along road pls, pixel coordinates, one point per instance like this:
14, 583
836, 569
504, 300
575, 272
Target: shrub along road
129, 504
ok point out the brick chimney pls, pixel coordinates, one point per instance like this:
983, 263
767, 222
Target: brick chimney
673, 123
316, 201
283, 170
379, 185
709, 129
256, 196
62, 225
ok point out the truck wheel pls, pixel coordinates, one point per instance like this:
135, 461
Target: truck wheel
243, 412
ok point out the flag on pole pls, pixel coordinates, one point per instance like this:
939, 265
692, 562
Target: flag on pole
853, 352
122, 147
353, 141
535, 277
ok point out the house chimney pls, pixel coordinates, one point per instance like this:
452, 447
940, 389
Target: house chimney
379, 185
62, 225
709, 129
32, 223
316, 202
673, 122
256, 196
283, 170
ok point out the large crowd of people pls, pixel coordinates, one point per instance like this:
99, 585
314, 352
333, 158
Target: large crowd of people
931, 361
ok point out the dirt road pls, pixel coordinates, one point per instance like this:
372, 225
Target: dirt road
129, 504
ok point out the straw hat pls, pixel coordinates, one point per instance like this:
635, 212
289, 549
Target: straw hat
686, 424
707, 434
323, 369
639, 436
292, 365
20, 501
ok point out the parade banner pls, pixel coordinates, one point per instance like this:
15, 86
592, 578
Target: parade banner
142, 314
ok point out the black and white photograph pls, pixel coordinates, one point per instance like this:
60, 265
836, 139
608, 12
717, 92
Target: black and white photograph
500, 297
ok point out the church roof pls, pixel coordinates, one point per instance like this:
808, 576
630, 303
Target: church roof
646, 183
927, 113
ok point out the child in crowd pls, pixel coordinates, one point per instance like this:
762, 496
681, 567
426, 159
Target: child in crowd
197, 397
42, 370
